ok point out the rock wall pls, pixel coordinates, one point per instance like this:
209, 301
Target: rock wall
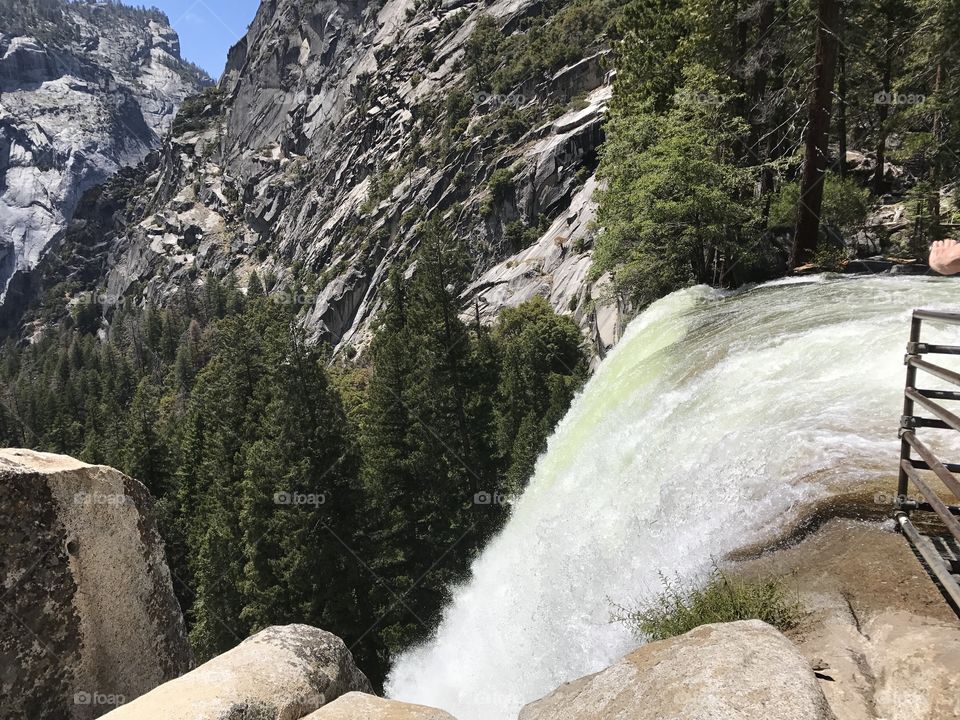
85, 89
88, 618
338, 127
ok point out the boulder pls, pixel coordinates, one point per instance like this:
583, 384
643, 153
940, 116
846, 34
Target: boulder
88, 618
360, 706
734, 671
281, 673
916, 663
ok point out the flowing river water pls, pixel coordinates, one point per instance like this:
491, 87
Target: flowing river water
717, 419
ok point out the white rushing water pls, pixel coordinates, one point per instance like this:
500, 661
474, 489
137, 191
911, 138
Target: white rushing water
715, 420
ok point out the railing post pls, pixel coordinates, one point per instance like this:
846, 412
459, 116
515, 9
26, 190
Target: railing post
904, 480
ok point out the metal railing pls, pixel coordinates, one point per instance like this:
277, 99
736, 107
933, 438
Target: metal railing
934, 416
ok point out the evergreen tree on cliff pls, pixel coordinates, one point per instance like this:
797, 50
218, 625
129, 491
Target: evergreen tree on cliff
818, 133
426, 442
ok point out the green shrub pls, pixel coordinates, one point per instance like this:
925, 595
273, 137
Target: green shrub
845, 205
482, 52
382, 184
456, 108
566, 33
199, 111
501, 184
519, 235
680, 608
453, 22
563, 33
508, 124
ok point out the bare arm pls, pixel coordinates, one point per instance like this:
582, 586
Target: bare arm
945, 257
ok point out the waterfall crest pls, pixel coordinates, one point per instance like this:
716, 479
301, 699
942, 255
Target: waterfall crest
717, 418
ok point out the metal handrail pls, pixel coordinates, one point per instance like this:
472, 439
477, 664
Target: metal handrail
950, 318
951, 419
938, 505
935, 370
930, 554
937, 417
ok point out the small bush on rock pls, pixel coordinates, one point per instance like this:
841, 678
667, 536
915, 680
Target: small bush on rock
679, 608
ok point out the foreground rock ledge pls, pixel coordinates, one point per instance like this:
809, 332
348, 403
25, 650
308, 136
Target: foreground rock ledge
735, 671
89, 617
281, 673
878, 631
359, 706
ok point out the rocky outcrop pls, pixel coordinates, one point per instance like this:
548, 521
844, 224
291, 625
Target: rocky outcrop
360, 706
88, 618
85, 89
556, 267
327, 144
736, 671
877, 630
281, 673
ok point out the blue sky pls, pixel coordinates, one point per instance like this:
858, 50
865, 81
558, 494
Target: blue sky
207, 28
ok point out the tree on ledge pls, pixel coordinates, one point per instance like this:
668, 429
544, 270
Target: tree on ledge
818, 134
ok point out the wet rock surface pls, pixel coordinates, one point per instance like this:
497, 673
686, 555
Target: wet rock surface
877, 630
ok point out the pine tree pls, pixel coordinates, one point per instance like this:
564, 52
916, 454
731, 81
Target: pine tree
543, 364
817, 135
427, 453
146, 456
678, 208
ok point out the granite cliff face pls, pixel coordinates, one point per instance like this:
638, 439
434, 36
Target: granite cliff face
338, 127
85, 89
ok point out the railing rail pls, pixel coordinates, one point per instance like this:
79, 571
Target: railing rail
934, 416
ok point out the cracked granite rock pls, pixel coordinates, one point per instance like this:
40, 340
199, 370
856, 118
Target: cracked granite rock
89, 617
85, 89
337, 128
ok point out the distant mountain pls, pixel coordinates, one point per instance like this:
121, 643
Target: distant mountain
337, 129
86, 88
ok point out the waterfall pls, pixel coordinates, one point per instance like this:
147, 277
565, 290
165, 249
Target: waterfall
717, 419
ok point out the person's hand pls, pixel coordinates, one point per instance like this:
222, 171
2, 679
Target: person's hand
945, 257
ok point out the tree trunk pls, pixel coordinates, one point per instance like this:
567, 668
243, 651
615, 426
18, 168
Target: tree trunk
842, 114
936, 232
818, 133
758, 112
883, 111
